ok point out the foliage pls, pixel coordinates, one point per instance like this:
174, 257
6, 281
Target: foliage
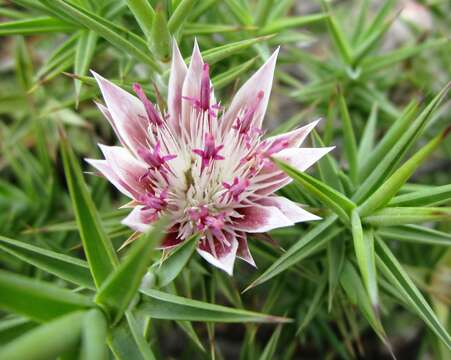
369, 278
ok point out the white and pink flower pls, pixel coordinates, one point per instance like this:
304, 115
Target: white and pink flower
207, 167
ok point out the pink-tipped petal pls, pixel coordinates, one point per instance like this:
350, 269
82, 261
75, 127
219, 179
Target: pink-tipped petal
295, 137
108, 172
129, 169
176, 80
289, 208
243, 250
127, 112
261, 219
191, 85
302, 158
225, 256
135, 220
260, 81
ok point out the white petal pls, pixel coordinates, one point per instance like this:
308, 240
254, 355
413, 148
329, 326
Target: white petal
127, 167
224, 261
260, 81
289, 208
127, 112
295, 137
134, 220
302, 158
259, 219
176, 79
110, 174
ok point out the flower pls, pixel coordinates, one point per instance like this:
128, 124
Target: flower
207, 167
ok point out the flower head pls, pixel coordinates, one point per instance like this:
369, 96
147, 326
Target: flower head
205, 167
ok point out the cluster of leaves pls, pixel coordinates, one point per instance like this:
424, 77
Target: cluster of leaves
383, 243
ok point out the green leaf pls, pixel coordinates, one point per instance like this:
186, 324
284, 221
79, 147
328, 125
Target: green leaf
291, 22
118, 290
358, 296
364, 251
313, 240
160, 305
390, 151
64, 266
240, 12
327, 166
37, 300
98, 249
116, 35
366, 144
94, 333
395, 274
379, 62
428, 197
171, 267
349, 138
160, 38
84, 51
178, 17
378, 20
48, 341
126, 341
369, 42
13, 327
39, 25
416, 234
338, 37
336, 249
143, 13
271, 347
221, 52
392, 185
338, 203
314, 306
408, 215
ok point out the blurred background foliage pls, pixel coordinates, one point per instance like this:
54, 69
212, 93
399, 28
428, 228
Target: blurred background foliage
375, 71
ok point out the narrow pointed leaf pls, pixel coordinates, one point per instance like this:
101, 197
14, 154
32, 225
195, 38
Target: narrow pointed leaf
357, 295
98, 248
408, 215
339, 203
313, 240
37, 300
93, 337
167, 271
178, 18
291, 22
39, 25
144, 14
429, 197
47, 341
366, 144
392, 185
416, 234
121, 286
349, 139
397, 276
84, 52
63, 266
270, 349
160, 305
364, 250
336, 257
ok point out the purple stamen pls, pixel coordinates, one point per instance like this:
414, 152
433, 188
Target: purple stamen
205, 89
154, 159
236, 188
152, 113
210, 151
245, 125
